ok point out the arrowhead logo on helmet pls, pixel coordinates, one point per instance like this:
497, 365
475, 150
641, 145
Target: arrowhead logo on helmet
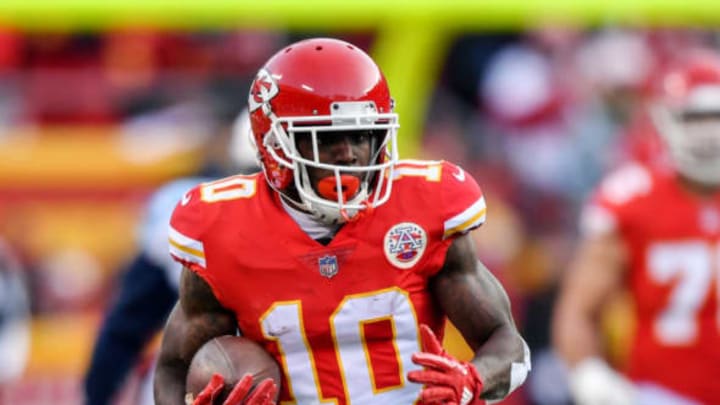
263, 89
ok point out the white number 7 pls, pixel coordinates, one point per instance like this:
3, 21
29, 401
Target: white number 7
692, 266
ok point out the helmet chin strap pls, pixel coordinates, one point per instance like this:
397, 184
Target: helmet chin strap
359, 214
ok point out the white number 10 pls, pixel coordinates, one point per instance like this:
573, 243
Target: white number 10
284, 323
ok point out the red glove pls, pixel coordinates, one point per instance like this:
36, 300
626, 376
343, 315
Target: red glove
263, 394
446, 380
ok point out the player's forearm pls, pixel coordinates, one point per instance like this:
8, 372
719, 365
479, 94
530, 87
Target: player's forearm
172, 366
575, 327
594, 276
169, 383
575, 336
503, 362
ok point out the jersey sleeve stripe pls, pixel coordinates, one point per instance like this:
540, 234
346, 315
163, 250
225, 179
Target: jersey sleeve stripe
472, 217
186, 249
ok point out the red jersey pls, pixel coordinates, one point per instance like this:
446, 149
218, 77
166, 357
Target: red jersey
673, 243
342, 319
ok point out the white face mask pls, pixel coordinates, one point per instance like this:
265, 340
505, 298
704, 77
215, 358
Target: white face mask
346, 116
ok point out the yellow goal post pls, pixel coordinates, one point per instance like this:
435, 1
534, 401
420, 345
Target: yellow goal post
412, 35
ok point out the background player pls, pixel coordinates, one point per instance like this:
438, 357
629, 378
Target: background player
14, 316
149, 287
336, 257
656, 232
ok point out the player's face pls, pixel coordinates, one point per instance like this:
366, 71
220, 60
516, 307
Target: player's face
694, 143
341, 148
703, 135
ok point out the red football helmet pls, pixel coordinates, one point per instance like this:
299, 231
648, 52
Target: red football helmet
323, 85
687, 114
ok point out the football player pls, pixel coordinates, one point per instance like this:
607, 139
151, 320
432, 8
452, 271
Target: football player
15, 302
146, 295
342, 261
656, 233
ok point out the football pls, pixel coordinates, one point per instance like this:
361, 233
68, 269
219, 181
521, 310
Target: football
232, 357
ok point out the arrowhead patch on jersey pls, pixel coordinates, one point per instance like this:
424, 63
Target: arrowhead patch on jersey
404, 244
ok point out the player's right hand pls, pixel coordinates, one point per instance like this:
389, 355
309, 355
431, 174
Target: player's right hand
445, 380
263, 394
594, 382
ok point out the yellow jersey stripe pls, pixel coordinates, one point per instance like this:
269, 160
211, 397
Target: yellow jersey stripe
476, 220
194, 252
187, 249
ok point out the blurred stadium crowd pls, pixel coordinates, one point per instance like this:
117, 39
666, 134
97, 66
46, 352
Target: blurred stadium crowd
90, 124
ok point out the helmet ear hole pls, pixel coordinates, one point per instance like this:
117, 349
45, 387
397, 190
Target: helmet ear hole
271, 141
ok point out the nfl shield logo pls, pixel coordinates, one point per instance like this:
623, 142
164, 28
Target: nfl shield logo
328, 266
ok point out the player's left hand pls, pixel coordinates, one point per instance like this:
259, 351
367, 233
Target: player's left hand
446, 380
263, 393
